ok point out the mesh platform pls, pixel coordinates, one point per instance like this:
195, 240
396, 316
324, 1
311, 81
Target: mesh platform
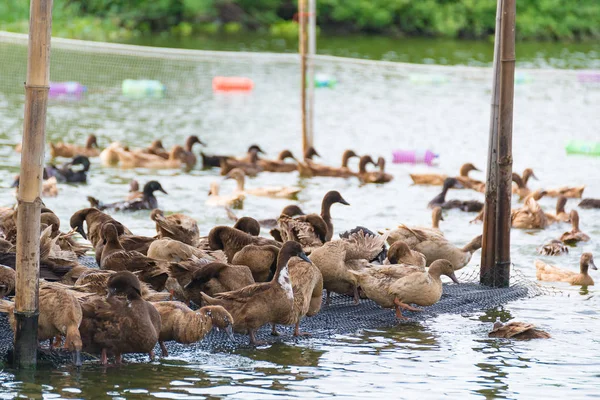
342, 316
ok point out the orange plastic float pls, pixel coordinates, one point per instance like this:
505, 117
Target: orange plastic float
232, 84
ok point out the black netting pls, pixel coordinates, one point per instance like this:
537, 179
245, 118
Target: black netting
340, 317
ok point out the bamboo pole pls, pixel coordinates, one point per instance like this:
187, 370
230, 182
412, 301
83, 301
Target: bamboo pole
505, 124
312, 50
30, 186
302, 22
488, 254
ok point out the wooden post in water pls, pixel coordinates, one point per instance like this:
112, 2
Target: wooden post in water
488, 253
505, 124
30, 184
495, 259
310, 71
302, 41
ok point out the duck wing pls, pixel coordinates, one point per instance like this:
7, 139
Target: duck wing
244, 294
361, 245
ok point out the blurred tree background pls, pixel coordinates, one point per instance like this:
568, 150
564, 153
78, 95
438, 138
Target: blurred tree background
117, 19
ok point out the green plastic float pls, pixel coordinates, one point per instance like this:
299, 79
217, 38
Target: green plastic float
583, 147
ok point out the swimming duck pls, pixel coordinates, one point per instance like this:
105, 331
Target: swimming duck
116, 258
147, 202
395, 286
531, 215
400, 253
232, 240
195, 278
575, 235
109, 157
340, 172
178, 158
66, 173
59, 315
463, 205
263, 303
561, 215
181, 324
279, 165
589, 203
248, 165
466, 181
436, 217
438, 179
335, 259
280, 192
517, 330
373, 176
522, 180
307, 166
214, 161
234, 200
554, 247
190, 158
68, 150
156, 148
550, 273
248, 225
176, 226
434, 246
117, 325
49, 184
571, 192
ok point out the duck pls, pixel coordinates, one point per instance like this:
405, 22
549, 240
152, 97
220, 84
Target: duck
120, 325
589, 203
554, 247
213, 278
64, 241
291, 211
517, 330
375, 176
60, 314
49, 185
178, 158
66, 173
400, 253
146, 202
93, 280
214, 161
463, 205
307, 166
138, 243
395, 286
261, 260
551, 273
575, 235
248, 225
279, 192
561, 215
176, 226
232, 240
531, 215
8, 278
571, 192
522, 180
109, 157
156, 148
134, 191
190, 158
438, 179
279, 164
335, 260
466, 181
263, 303
174, 251
182, 325
436, 217
234, 200
347, 235
68, 150
249, 164
435, 246
116, 258
340, 172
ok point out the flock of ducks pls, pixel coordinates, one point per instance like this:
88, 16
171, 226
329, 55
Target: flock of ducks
142, 292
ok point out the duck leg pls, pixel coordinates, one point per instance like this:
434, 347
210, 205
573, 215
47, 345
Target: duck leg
400, 304
152, 355
253, 340
328, 298
274, 330
118, 359
297, 330
104, 357
356, 296
163, 348
398, 310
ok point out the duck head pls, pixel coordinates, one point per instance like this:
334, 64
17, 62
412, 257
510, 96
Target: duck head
80, 160
286, 154
110, 233
124, 283
332, 197
587, 261
397, 251
528, 173
310, 153
346, 156
191, 141
381, 163
442, 267
156, 214
74, 344
15, 183
574, 217
77, 220
134, 186
92, 141
362, 164
238, 175
220, 318
157, 144
561, 202
255, 149
248, 225
292, 210
452, 183
214, 189
436, 216
153, 186
538, 194
466, 168
517, 179
288, 250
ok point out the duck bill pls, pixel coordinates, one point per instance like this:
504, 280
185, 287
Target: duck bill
229, 331
592, 265
453, 277
163, 190
15, 183
534, 177
304, 257
80, 230
77, 358
344, 202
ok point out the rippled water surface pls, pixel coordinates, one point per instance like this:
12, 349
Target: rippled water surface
372, 110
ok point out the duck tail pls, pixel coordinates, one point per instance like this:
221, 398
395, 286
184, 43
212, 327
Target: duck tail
94, 202
418, 235
6, 306
211, 301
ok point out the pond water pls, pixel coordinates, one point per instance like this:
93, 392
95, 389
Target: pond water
372, 110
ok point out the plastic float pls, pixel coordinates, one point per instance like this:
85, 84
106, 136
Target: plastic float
324, 81
143, 88
414, 157
428, 78
70, 89
583, 147
232, 84
589, 77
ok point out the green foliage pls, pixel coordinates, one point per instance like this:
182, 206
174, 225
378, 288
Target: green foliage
105, 19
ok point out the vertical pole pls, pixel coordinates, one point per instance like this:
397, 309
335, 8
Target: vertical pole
488, 254
302, 21
30, 186
312, 50
505, 124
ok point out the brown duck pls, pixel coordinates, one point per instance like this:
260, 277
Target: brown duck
279, 164
181, 324
263, 303
95, 220
261, 260
95, 280
68, 150
517, 330
176, 226
551, 273
119, 325
340, 172
561, 215
575, 235
248, 225
156, 148
438, 179
400, 253
231, 240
